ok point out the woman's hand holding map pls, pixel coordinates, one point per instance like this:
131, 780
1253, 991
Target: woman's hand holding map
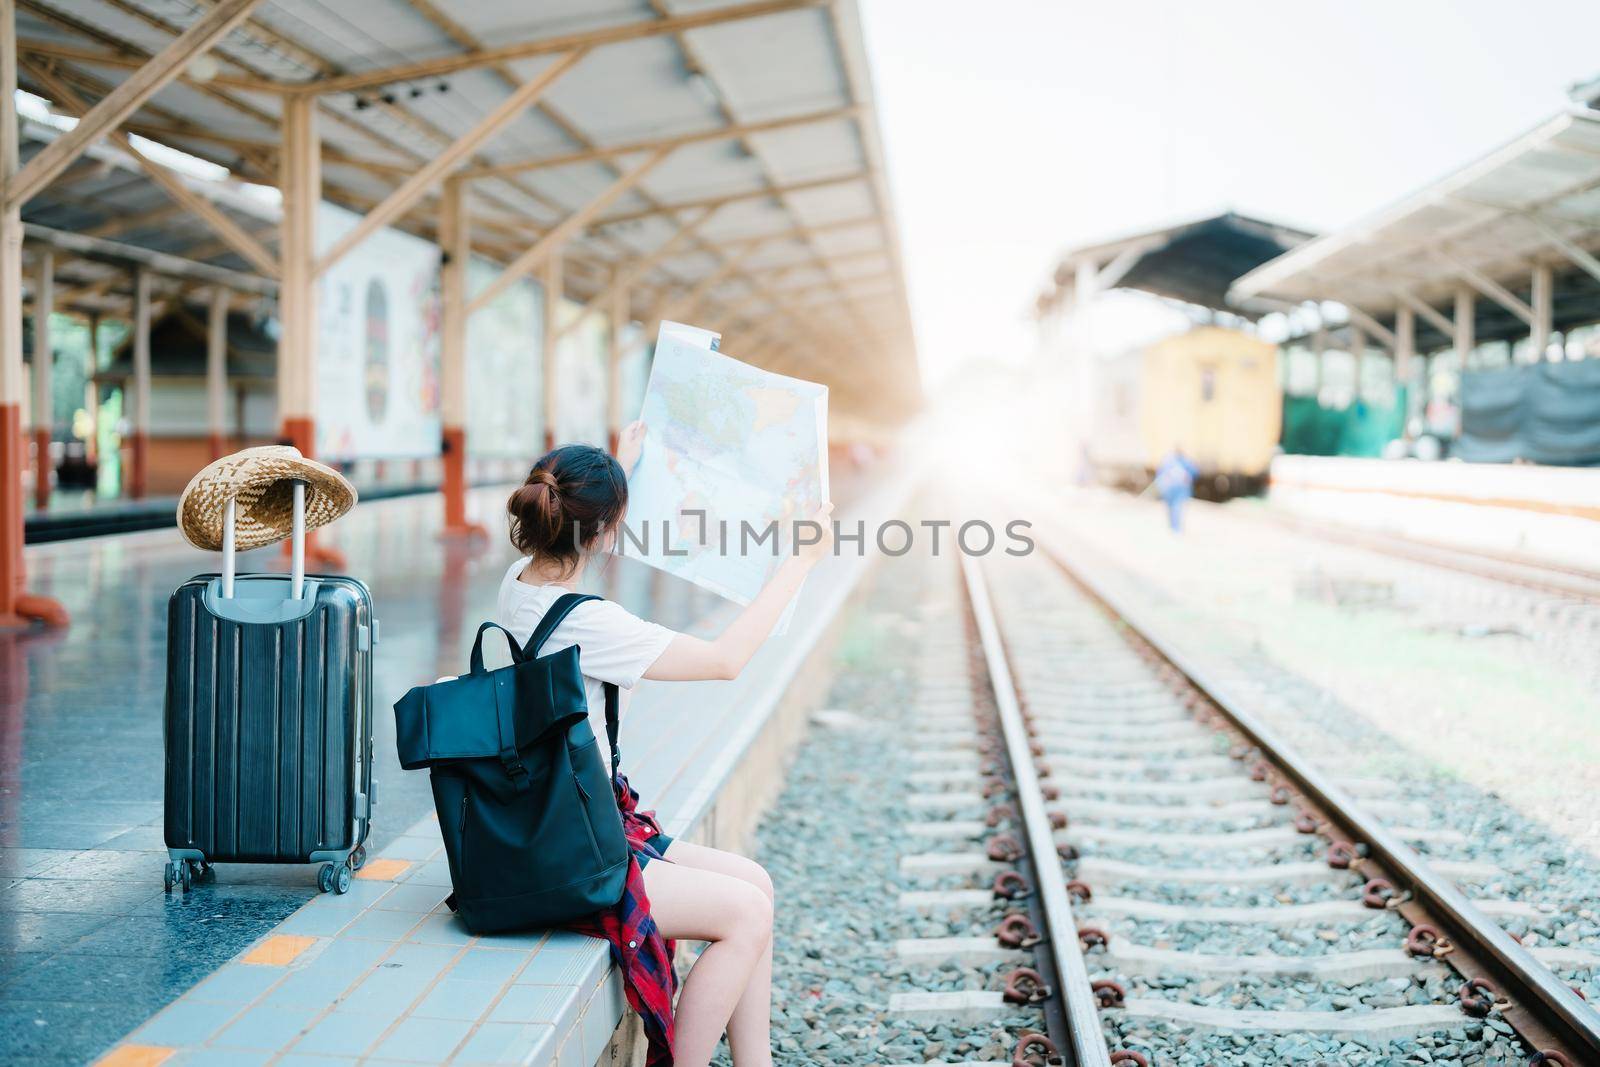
630, 444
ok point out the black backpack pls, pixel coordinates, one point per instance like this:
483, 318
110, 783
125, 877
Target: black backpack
525, 804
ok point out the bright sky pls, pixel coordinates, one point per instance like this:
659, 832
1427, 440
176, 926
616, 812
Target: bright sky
1018, 128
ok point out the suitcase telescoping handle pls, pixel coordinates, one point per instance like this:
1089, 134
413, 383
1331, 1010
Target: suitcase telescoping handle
297, 545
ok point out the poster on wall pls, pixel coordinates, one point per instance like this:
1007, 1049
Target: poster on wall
505, 371
581, 380
377, 344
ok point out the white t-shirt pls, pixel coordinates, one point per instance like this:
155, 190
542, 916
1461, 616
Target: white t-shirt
615, 645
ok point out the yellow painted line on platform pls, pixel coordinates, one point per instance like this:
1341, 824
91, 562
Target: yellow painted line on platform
135, 1056
383, 870
279, 950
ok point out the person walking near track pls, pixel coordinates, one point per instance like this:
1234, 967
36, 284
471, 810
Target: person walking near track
1174, 482
565, 514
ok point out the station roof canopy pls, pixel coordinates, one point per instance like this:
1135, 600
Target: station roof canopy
1536, 199
1193, 261
749, 124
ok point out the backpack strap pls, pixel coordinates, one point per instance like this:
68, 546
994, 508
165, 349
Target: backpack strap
553, 618
613, 699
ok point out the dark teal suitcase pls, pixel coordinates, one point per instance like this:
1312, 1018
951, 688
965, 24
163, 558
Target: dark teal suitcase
268, 723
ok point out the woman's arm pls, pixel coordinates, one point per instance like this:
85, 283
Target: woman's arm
688, 658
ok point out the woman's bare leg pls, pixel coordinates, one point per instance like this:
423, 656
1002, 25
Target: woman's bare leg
750, 1025
736, 919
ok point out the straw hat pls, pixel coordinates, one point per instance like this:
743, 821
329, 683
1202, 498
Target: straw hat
262, 481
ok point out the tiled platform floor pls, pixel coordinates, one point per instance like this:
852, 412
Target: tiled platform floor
385, 973
90, 946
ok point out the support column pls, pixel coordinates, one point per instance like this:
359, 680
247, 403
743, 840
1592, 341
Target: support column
1466, 338
1319, 352
1405, 343
1358, 352
551, 279
91, 390
1405, 354
619, 323
44, 301
17, 606
217, 372
1543, 302
138, 399
300, 179
300, 182
455, 241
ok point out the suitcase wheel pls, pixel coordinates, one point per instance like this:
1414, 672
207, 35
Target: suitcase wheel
358, 858
183, 874
334, 878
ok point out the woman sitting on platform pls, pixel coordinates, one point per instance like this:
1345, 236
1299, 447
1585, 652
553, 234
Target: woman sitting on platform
568, 512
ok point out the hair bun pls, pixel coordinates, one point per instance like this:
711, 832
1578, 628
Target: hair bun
571, 497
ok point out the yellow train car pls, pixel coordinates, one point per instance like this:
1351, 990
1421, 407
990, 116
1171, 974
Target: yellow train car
1211, 391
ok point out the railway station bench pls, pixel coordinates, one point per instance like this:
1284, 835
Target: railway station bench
386, 972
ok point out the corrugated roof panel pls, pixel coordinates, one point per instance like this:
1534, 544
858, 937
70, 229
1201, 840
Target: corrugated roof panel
691, 169
632, 90
774, 65
383, 33
852, 239
830, 203
746, 218
496, 20
802, 152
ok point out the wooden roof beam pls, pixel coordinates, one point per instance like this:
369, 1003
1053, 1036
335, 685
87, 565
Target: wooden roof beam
94, 57
114, 108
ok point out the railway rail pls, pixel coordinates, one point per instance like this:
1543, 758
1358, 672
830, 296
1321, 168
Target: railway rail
1111, 763
1567, 583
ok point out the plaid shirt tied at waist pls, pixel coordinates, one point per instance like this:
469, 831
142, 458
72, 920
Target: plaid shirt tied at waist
637, 948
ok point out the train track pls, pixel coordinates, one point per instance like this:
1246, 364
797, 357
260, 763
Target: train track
1119, 776
1566, 583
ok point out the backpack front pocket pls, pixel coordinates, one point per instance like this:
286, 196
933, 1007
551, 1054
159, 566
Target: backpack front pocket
602, 821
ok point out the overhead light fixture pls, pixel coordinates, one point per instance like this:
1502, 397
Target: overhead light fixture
203, 68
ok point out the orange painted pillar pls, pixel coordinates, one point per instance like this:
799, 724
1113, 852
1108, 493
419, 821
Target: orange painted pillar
455, 243
13, 446
300, 182
43, 378
17, 606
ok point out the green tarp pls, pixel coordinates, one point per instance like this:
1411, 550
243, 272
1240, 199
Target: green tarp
1362, 429
1543, 413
